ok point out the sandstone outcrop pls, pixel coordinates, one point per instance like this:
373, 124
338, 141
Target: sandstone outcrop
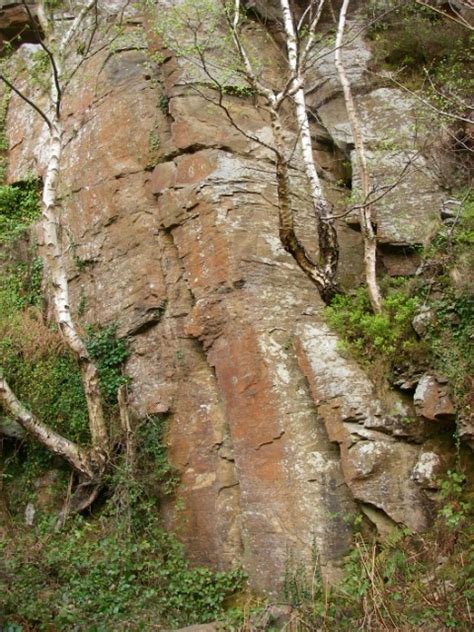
432, 399
276, 435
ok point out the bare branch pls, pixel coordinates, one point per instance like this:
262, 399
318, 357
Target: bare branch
348, 41
459, 20
88, 52
386, 189
453, 97
220, 104
50, 55
248, 69
311, 35
449, 115
27, 100
71, 33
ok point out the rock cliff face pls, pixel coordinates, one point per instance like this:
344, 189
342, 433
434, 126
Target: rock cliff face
173, 235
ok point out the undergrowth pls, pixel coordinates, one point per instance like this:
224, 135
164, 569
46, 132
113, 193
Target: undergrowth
19, 207
41, 371
155, 466
410, 37
403, 581
442, 292
37, 364
117, 569
104, 575
109, 353
368, 336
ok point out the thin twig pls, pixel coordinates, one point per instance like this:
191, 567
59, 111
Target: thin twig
461, 22
50, 55
27, 100
454, 117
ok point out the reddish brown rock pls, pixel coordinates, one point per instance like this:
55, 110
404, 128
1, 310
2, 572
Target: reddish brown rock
273, 432
432, 399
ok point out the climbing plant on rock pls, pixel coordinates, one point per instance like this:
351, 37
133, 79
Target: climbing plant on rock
65, 44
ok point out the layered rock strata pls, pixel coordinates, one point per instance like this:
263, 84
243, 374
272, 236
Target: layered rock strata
172, 233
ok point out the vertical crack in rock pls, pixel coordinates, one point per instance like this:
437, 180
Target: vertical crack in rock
181, 248
211, 529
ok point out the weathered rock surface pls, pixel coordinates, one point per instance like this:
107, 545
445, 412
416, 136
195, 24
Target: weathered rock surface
394, 130
432, 399
169, 213
428, 468
376, 466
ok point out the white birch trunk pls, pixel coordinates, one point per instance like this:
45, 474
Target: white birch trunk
365, 213
60, 289
90, 463
328, 246
323, 276
53, 248
79, 459
288, 236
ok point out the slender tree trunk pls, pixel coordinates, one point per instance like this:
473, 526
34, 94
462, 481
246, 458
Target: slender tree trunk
328, 243
79, 459
53, 248
288, 235
365, 213
54, 256
88, 463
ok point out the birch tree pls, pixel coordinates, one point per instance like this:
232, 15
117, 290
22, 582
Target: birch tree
322, 271
191, 20
60, 45
323, 275
300, 34
365, 208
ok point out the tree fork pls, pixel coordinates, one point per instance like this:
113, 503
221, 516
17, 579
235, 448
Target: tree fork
86, 463
90, 464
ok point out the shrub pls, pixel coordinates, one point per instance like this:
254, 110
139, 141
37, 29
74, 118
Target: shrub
117, 569
19, 207
155, 467
109, 352
409, 36
96, 576
368, 336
